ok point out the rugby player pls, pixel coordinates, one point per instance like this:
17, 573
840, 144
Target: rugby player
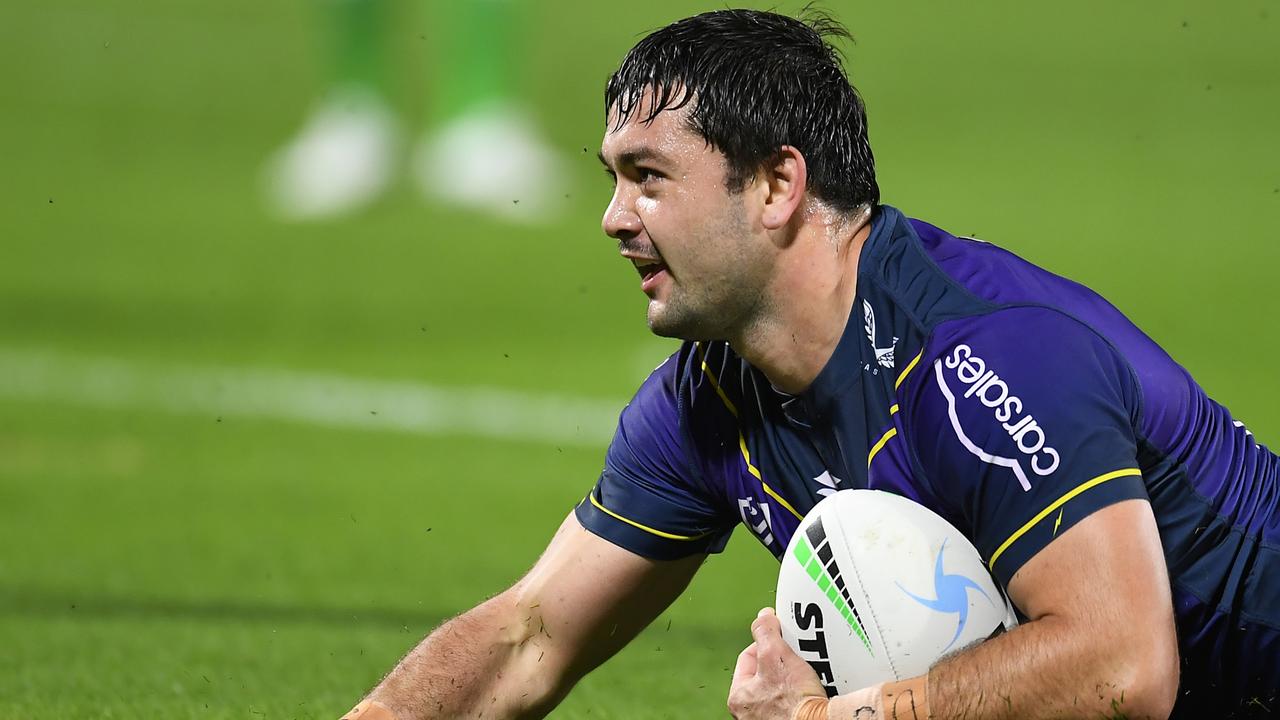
831, 343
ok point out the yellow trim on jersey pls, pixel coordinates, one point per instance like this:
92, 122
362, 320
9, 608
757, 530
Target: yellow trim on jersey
910, 366
880, 444
715, 383
742, 439
893, 410
646, 528
1127, 472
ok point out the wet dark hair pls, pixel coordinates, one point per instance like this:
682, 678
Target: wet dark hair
757, 81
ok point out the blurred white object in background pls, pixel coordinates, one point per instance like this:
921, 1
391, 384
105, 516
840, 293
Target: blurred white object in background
493, 159
341, 160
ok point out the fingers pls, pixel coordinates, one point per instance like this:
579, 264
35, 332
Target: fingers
770, 680
766, 630
746, 667
749, 659
744, 674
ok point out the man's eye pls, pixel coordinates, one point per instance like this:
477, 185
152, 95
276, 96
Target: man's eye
644, 174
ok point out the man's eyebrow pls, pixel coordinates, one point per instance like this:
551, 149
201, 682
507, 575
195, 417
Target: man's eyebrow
638, 155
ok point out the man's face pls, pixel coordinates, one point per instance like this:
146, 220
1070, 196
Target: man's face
701, 253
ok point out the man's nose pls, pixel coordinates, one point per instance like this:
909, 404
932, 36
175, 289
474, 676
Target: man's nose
620, 221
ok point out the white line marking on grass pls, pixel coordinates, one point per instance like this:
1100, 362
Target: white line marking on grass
311, 398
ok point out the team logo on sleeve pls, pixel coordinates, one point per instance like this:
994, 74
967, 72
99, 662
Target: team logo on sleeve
982, 384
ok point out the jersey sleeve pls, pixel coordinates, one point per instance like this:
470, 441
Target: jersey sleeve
1023, 426
650, 499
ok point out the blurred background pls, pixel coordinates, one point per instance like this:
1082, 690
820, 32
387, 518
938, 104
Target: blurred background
255, 441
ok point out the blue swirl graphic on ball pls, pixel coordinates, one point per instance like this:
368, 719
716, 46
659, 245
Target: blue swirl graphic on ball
951, 595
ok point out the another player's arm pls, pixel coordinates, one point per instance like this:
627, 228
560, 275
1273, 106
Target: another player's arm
519, 653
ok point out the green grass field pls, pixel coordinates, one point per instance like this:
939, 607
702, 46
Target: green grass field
165, 558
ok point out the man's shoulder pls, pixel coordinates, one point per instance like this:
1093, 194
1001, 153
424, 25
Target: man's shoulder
682, 370
702, 380
699, 387
1046, 346
945, 287
936, 276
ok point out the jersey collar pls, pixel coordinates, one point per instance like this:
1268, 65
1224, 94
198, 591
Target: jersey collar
843, 372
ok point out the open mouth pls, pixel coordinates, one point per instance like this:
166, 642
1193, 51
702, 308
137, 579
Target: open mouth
651, 270
651, 273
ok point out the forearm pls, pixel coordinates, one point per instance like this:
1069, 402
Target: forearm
1046, 669
492, 658
518, 654
1052, 668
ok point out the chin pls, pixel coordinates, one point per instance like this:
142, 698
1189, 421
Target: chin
661, 331
669, 322
660, 328
661, 323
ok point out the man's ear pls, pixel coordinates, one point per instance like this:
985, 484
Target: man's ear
786, 178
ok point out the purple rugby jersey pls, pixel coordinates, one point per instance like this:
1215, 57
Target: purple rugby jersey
1010, 401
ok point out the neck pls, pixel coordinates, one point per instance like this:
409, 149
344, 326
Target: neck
811, 297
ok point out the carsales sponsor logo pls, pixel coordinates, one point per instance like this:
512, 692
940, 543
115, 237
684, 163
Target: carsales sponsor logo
981, 383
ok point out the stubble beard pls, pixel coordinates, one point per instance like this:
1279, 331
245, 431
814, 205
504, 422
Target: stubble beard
678, 320
719, 307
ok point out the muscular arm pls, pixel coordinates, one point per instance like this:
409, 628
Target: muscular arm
1100, 643
519, 653
1100, 639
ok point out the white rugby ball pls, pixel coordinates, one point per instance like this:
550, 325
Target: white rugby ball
875, 588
